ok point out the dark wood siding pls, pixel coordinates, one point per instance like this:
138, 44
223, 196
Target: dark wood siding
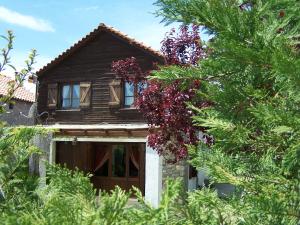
92, 63
75, 156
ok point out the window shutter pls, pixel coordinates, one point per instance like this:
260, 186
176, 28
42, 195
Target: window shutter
85, 94
52, 95
115, 93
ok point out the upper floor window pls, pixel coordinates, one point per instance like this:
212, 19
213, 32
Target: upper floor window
70, 96
129, 94
131, 91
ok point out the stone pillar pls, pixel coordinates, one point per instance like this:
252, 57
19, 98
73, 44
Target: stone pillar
174, 171
34, 164
37, 163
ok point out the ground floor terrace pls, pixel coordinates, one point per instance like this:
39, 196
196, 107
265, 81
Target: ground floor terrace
109, 163
115, 154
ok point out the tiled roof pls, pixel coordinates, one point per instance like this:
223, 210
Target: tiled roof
21, 93
88, 37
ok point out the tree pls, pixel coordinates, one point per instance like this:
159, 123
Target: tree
19, 76
184, 47
15, 143
165, 105
252, 78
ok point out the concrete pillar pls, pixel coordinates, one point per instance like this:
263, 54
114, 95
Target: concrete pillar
153, 177
43, 142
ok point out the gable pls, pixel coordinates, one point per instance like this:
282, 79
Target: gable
111, 40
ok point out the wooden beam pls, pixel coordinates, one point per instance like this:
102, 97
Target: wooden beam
104, 133
102, 139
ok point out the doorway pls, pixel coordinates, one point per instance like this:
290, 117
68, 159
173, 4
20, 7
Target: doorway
111, 164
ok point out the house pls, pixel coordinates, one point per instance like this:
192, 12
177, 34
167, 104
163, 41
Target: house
97, 128
16, 111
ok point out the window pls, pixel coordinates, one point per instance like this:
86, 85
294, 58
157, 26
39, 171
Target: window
131, 91
10, 105
118, 161
70, 94
134, 161
129, 94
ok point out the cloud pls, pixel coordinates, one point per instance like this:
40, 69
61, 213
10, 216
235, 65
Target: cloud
27, 21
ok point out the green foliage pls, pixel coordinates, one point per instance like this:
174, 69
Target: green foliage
16, 147
15, 143
68, 198
20, 76
252, 76
17, 186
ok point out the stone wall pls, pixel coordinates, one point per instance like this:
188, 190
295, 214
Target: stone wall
13, 116
174, 171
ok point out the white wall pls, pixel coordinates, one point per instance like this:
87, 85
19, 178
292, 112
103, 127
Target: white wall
153, 177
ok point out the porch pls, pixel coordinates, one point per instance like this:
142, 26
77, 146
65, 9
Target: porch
113, 154
110, 164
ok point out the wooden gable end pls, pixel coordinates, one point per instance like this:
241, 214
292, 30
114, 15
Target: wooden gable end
101, 91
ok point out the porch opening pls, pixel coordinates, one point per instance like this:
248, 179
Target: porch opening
111, 164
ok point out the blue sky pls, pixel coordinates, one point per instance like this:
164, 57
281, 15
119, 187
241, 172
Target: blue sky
51, 26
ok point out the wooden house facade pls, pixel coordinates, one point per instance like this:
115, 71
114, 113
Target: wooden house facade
87, 66
97, 128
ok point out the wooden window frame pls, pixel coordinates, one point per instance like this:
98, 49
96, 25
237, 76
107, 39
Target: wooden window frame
127, 96
71, 84
135, 95
64, 155
127, 147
